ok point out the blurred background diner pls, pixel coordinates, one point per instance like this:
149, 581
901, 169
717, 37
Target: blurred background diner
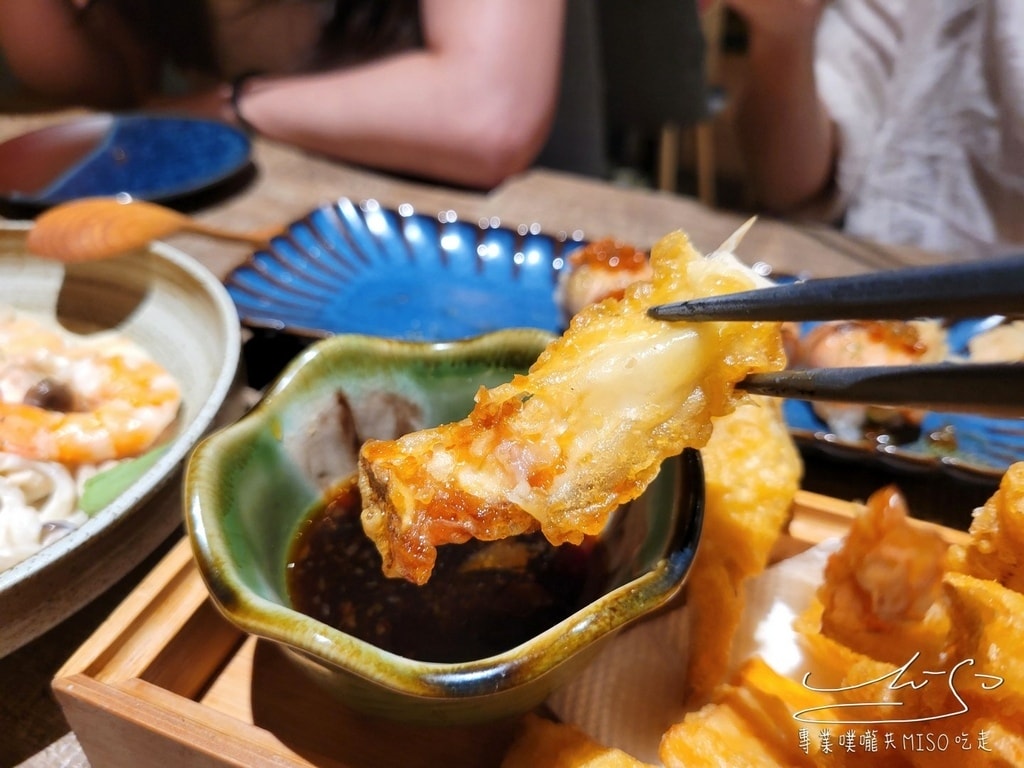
864, 134
902, 121
458, 92
437, 89
892, 122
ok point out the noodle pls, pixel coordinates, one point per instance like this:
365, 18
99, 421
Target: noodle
70, 406
38, 504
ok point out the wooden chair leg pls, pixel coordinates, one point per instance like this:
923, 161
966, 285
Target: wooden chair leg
668, 158
706, 182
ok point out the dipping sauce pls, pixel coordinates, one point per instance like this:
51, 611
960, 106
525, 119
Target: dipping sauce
483, 597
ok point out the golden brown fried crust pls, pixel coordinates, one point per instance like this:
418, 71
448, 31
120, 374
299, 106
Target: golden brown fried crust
452, 517
750, 722
996, 549
584, 431
752, 472
557, 745
882, 591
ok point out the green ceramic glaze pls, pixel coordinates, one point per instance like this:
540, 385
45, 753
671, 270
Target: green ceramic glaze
250, 486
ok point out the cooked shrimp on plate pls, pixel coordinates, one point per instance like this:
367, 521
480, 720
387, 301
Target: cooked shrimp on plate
79, 399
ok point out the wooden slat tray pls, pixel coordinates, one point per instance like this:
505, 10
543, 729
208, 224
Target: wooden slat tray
166, 680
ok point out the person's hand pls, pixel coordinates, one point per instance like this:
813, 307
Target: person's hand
210, 102
779, 19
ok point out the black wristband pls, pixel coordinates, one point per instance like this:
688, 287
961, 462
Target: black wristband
235, 98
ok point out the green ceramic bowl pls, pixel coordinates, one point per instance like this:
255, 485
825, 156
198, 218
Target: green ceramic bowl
250, 487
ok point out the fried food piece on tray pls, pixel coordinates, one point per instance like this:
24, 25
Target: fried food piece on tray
988, 630
749, 723
585, 430
752, 472
882, 591
976, 688
898, 645
996, 549
546, 743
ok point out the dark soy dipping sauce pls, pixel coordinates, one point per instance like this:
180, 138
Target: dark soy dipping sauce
483, 597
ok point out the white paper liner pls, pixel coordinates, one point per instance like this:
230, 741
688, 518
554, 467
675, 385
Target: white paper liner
631, 693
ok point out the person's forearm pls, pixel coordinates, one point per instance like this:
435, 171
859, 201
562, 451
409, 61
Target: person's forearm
785, 133
471, 107
416, 113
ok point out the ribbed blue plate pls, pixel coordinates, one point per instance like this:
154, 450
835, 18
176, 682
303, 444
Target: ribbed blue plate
361, 268
150, 157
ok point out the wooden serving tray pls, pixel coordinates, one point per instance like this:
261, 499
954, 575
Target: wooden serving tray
166, 680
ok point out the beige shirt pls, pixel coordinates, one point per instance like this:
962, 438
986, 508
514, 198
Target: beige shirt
928, 97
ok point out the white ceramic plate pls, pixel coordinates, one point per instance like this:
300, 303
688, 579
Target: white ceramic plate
168, 303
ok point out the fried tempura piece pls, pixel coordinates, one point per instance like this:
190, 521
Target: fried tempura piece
954, 676
977, 691
829, 658
996, 744
749, 723
752, 471
996, 549
882, 590
988, 631
558, 745
913, 701
584, 431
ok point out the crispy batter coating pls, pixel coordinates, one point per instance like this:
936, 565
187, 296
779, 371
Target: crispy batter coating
988, 630
584, 431
557, 745
891, 603
996, 549
749, 723
882, 591
752, 472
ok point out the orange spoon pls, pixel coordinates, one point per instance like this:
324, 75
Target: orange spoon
101, 227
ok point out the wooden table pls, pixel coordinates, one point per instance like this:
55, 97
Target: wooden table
288, 183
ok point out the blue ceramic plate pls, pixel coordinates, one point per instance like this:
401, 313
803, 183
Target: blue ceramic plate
149, 157
971, 446
362, 268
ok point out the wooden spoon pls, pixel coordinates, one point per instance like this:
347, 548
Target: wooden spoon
101, 227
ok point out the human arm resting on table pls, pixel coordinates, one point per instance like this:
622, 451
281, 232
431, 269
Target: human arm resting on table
473, 106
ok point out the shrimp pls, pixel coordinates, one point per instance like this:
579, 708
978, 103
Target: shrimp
76, 400
598, 270
863, 343
882, 592
872, 342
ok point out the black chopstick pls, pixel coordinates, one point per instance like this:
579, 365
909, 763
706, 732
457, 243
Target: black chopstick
973, 289
994, 389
